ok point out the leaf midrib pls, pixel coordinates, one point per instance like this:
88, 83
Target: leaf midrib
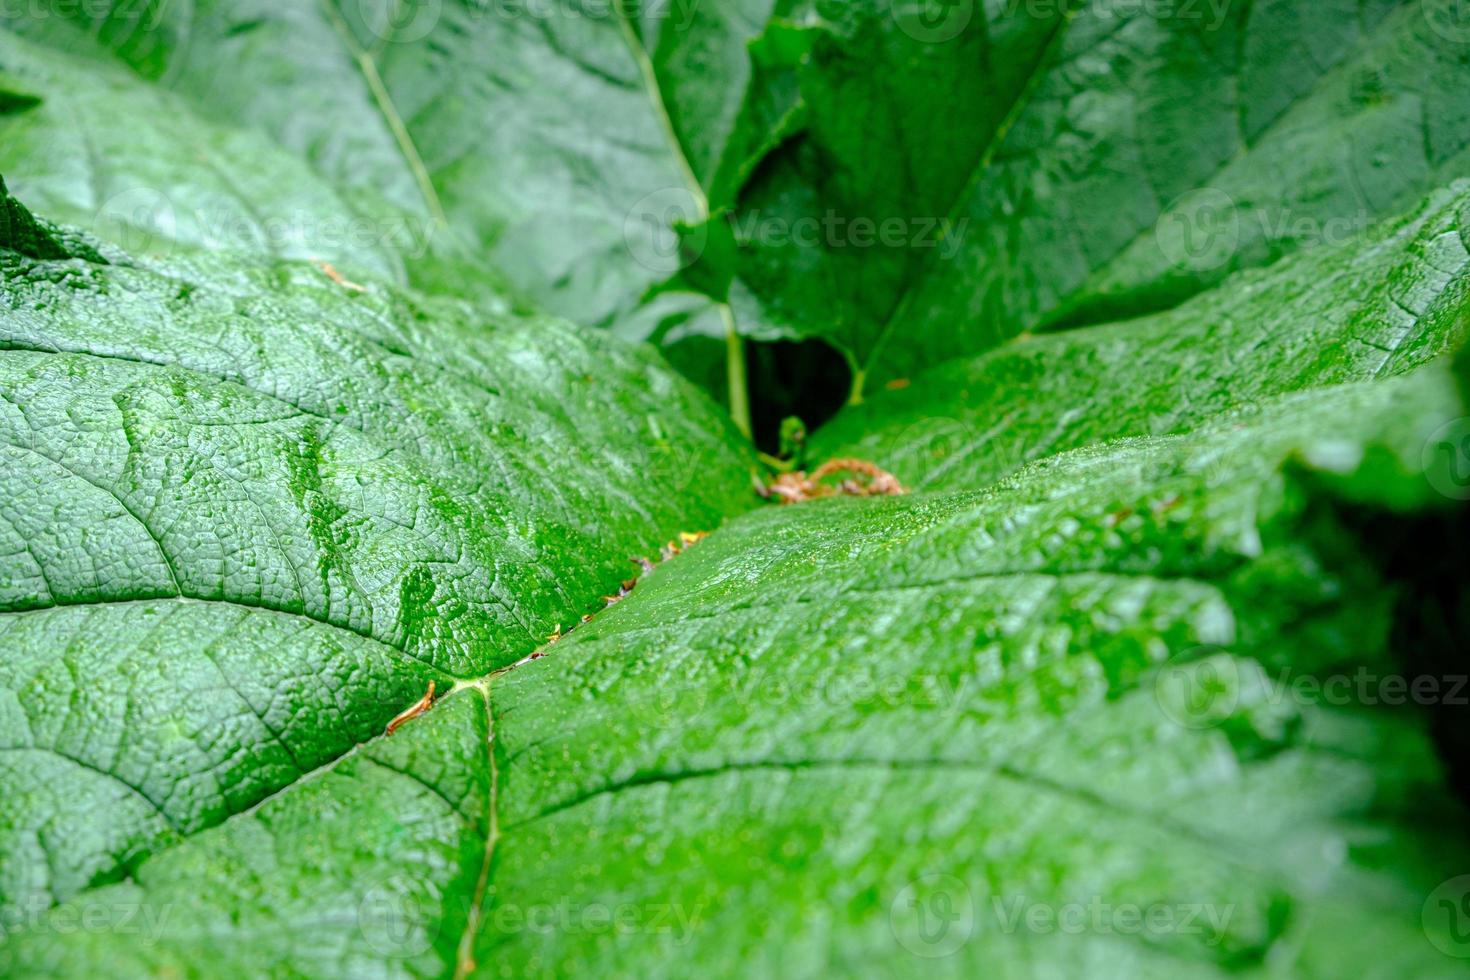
901, 306
367, 66
982, 166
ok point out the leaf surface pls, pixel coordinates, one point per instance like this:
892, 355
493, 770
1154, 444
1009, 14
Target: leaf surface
1053, 686
1054, 164
250, 513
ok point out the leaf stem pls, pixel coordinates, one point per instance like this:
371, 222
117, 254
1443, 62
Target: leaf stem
735, 375
859, 379
384, 102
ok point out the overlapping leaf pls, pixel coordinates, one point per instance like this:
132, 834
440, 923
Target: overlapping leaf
787, 742
1042, 164
250, 512
1062, 711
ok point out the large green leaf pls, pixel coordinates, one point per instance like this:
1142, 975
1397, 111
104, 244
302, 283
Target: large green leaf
985, 699
932, 732
1055, 163
537, 130
1377, 306
99, 148
1040, 164
249, 513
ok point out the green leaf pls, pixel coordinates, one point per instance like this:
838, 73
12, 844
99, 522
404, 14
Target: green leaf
1377, 306
101, 149
22, 233
464, 148
250, 513
1062, 163
849, 735
629, 143
826, 710
536, 131
1131, 684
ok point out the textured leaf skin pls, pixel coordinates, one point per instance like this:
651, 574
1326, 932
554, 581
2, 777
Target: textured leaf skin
712, 145
757, 757
102, 149
384, 841
249, 514
22, 233
762, 731
1118, 161
532, 132
249, 511
1378, 306
969, 685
